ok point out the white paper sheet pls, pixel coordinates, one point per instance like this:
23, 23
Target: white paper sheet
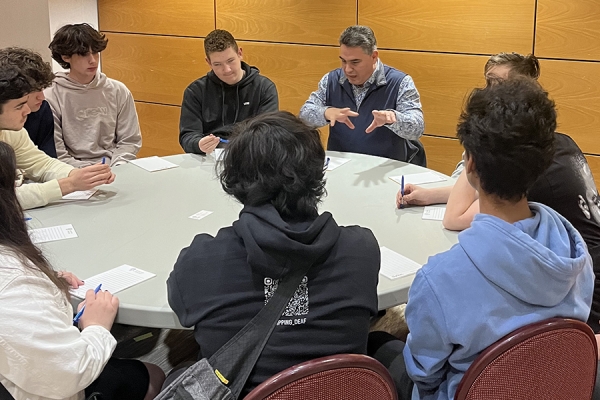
434, 213
335, 162
394, 265
418, 179
80, 195
153, 163
114, 280
218, 154
201, 214
50, 234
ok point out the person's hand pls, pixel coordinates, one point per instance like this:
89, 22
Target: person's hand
381, 118
342, 115
100, 309
209, 143
71, 279
413, 195
86, 178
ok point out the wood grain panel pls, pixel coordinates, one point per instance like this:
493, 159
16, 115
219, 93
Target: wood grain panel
156, 69
568, 29
575, 88
594, 163
443, 81
466, 26
442, 153
180, 17
306, 21
295, 69
160, 129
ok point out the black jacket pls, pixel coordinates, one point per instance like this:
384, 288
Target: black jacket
218, 285
569, 188
212, 106
40, 127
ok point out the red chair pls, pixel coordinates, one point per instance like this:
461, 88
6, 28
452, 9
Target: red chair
552, 359
337, 377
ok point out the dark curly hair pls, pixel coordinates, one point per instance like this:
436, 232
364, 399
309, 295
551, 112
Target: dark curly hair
508, 130
31, 65
76, 39
219, 40
13, 84
276, 158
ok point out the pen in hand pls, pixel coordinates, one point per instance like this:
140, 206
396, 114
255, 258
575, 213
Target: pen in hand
402, 192
80, 313
223, 140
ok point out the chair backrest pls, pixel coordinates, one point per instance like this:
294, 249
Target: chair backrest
337, 377
551, 359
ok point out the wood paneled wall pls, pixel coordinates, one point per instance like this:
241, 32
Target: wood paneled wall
155, 48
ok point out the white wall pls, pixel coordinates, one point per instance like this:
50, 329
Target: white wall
62, 12
32, 23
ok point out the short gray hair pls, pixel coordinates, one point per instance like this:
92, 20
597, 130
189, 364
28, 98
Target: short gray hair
359, 36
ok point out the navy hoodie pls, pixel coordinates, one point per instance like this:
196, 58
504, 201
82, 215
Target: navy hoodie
220, 283
212, 106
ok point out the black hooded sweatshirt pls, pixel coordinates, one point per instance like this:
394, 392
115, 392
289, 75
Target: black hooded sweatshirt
212, 106
219, 284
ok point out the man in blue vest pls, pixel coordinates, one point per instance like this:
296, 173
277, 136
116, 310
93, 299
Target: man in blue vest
371, 108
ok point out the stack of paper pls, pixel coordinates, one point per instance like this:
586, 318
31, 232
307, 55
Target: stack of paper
114, 280
43, 235
153, 164
394, 265
335, 162
80, 195
434, 213
419, 179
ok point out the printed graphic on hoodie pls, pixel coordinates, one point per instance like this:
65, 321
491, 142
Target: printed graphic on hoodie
297, 306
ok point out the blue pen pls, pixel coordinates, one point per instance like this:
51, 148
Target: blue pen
402, 191
223, 140
327, 162
27, 218
103, 160
80, 313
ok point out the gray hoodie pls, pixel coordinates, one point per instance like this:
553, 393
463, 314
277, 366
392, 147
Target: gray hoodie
93, 121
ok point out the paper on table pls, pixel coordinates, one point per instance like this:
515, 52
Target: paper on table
153, 163
201, 214
50, 234
394, 265
419, 179
335, 162
114, 280
434, 213
80, 195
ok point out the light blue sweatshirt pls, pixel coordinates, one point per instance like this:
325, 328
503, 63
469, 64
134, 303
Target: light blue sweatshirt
498, 278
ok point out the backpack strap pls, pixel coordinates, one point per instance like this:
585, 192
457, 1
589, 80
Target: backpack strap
234, 362
4, 394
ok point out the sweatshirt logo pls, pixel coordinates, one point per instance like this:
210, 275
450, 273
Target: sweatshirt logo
297, 306
92, 112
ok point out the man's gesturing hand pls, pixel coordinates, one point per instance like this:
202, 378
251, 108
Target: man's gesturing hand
342, 115
381, 118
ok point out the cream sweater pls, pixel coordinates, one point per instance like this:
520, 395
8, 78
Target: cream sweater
38, 167
93, 121
42, 355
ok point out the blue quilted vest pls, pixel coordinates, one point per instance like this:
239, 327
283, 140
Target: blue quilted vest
382, 141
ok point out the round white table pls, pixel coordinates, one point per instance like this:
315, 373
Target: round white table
142, 219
